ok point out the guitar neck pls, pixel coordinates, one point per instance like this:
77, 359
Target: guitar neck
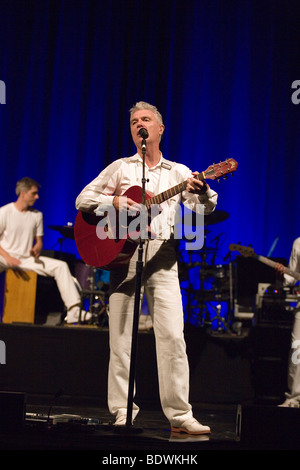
165, 195
271, 263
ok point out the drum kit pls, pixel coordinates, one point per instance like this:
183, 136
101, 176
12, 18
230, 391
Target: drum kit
206, 286
92, 283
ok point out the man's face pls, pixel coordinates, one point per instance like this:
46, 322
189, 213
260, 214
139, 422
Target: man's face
30, 196
145, 118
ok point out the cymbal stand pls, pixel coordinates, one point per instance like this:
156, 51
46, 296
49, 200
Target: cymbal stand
222, 324
189, 290
60, 242
92, 279
203, 303
202, 276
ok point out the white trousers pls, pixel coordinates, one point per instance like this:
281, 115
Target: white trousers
294, 360
55, 268
160, 284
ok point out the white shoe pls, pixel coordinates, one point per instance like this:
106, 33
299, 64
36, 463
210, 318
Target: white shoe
191, 426
85, 316
291, 403
74, 315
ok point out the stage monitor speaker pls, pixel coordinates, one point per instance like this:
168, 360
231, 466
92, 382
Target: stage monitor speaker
12, 410
268, 427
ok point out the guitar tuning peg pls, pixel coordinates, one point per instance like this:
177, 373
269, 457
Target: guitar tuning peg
218, 180
225, 177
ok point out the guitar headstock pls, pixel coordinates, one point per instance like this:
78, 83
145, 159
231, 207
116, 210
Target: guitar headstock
222, 169
246, 251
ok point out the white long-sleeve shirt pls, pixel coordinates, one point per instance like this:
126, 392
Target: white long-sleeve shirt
126, 172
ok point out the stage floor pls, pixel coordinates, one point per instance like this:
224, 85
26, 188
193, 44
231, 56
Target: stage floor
62, 372
80, 428
149, 439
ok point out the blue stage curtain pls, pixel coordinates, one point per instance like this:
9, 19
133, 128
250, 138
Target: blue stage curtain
220, 71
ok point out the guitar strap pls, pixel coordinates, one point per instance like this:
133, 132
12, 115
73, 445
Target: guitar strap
164, 183
132, 167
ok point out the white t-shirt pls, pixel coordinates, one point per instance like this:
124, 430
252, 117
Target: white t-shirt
19, 229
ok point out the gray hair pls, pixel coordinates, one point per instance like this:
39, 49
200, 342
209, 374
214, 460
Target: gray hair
143, 105
25, 184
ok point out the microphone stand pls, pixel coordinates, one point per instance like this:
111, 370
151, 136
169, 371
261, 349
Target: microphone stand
137, 301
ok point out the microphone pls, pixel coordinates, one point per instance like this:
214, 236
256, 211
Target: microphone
143, 133
56, 395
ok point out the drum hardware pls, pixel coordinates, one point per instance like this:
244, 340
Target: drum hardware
93, 292
92, 288
97, 299
221, 321
220, 297
96, 307
215, 290
67, 232
92, 279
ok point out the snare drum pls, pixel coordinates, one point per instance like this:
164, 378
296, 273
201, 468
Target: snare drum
91, 278
85, 275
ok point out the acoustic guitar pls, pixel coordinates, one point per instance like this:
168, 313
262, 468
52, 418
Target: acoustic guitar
98, 238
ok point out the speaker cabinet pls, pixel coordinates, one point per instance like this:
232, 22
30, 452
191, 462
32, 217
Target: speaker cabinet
268, 427
12, 410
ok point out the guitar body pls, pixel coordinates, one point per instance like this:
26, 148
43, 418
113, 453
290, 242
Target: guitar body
95, 247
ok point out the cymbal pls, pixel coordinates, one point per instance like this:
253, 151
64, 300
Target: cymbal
66, 231
215, 217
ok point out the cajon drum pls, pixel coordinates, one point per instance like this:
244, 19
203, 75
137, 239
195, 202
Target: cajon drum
19, 296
